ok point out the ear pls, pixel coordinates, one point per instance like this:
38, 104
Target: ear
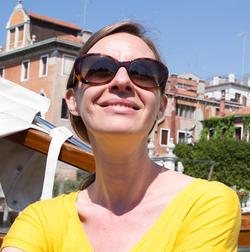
71, 101
163, 106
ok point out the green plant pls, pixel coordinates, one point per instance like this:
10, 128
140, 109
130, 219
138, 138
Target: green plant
231, 157
223, 125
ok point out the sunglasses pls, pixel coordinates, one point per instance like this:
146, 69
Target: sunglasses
98, 69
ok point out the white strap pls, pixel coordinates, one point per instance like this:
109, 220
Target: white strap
59, 136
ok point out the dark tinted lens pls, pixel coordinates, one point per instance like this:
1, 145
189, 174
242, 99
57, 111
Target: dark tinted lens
146, 73
97, 69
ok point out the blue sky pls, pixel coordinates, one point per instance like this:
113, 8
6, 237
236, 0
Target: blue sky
195, 36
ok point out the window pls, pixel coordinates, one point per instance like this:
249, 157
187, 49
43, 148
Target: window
67, 64
64, 110
12, 38
183, 86
181, 137
164, 135
20, 36
25, 70
1, 72
16, 37
244, 101
238, 133
185, 111
43, 69
237, 97
223, 93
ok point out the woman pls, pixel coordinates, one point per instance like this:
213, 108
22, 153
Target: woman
115, 94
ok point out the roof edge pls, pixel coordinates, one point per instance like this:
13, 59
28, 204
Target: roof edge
53, 21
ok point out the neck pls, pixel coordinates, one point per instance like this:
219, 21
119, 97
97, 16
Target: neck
124, 174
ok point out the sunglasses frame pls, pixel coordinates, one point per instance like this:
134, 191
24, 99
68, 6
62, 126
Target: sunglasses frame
119, 64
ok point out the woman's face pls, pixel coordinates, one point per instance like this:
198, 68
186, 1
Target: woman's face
119, 107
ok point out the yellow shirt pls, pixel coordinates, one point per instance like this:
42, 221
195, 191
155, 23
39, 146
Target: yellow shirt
203, 217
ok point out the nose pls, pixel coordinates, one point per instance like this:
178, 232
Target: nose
122, 81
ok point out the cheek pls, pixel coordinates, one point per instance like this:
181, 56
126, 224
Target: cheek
85, 101
85, 110
152, 100
157, 108
81, 101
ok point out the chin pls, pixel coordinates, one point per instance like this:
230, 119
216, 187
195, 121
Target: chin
117, 130
119, 126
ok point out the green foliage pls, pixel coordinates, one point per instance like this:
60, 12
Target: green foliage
246, 120
68, 186
231, 157
232, 165
225, 124
82, 175
229, 133
204, 134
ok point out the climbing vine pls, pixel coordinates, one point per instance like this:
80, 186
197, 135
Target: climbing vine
223, 127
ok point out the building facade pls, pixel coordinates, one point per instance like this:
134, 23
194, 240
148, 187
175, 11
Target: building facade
188, 106
39, 55
230, 89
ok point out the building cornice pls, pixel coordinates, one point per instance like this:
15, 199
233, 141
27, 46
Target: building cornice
226, 85
204, 100
51, 42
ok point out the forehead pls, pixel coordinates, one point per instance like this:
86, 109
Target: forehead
123, 46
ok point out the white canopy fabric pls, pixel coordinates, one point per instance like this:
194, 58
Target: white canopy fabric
18, 107
25, 175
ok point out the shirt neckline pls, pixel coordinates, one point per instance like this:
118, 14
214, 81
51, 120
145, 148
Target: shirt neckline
148, 233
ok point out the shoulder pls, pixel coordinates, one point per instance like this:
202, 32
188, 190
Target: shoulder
171, 182
212, 216
195, 190
201, 188
40, 226
216, 191
51, 210
63, 200
199, 195
215, 203
41, 222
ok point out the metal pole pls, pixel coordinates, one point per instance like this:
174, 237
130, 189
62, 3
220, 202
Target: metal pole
243, 35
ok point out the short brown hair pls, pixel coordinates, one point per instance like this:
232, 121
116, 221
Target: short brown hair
124, 26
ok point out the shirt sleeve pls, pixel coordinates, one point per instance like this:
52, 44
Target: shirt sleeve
27, 232
213, 223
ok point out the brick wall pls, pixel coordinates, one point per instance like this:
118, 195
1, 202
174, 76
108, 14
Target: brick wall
44, 30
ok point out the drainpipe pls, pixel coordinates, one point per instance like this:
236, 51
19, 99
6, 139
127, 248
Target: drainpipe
222, 106
173, 109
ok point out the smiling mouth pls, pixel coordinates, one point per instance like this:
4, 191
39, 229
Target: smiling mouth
120, 105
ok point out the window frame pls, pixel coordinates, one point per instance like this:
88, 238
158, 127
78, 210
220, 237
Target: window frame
181, 131
239, 126
168, 137
41, 66
23, 70
16, 37
248, 133
12, 38
185, 111
63, 62
19, 28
